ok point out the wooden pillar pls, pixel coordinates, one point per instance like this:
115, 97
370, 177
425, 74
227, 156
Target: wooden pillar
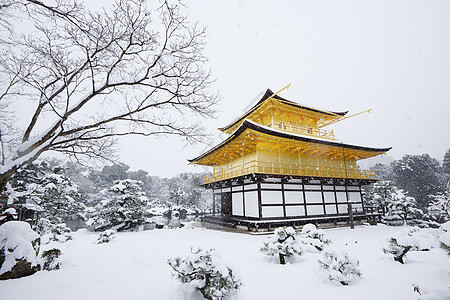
214, 203
259, 199
350, 214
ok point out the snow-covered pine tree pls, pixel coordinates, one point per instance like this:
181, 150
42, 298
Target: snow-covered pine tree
409, 238
440, 206
380, 195
203, 270
398, 250
404, 206
282, 243
446, 163
313, 238
49, 188
123, 207
106, 236
340, 267
51, 259
177, 196
419, 175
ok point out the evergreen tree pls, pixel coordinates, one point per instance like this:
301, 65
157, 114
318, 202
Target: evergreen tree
440, 206
124, 207
418, 174
177, 196
380, 195
446, 163
384, 172
404, 206
204, 271
47, 187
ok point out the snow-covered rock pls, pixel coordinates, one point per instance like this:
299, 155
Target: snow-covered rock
19, 247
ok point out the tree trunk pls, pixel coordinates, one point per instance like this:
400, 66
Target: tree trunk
282, 260
5, 177
399, 258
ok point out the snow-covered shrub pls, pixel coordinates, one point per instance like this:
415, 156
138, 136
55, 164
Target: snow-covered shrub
393, 220
106, 236
61, 233
340, 267
411, 239
313, 238
203, 270
19, 247
282, 244
397, 249
51, 259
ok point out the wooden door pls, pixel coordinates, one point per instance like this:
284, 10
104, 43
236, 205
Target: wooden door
226, 204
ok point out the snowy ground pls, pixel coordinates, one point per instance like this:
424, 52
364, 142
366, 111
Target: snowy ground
134, 266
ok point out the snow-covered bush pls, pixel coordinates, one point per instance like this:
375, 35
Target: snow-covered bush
123, 207
313, 238
60, 233
106, 236
340, 267
203, 270
393, 220
51, 259
282, 243
410, 239
397, 249
19, 247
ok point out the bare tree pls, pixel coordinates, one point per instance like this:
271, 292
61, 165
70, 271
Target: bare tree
93, 76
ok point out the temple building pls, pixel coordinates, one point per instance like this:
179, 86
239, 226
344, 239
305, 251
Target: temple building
280, 166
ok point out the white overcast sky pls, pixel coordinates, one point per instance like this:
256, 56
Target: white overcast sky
392, 56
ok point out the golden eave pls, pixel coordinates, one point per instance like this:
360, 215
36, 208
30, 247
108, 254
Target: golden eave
249, 135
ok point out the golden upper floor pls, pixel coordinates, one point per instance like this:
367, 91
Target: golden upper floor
281, 114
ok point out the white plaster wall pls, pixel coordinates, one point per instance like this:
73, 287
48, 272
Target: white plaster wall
330, 209
237, 204
329, 197
294, 211
341, 197
354, 197
313, 197
271, 197
251, 204
293, 197
314, 210
272, 211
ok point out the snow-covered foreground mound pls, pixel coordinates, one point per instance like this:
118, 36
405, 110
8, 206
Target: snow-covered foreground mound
134, 266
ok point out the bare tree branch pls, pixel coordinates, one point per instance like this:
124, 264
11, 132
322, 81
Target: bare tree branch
96, 76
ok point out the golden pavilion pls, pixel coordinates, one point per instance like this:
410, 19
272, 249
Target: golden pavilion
280, 166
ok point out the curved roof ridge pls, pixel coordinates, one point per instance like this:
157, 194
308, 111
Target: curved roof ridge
270, 94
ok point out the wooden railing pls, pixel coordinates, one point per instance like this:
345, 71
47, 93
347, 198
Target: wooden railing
328, 134
287, 169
